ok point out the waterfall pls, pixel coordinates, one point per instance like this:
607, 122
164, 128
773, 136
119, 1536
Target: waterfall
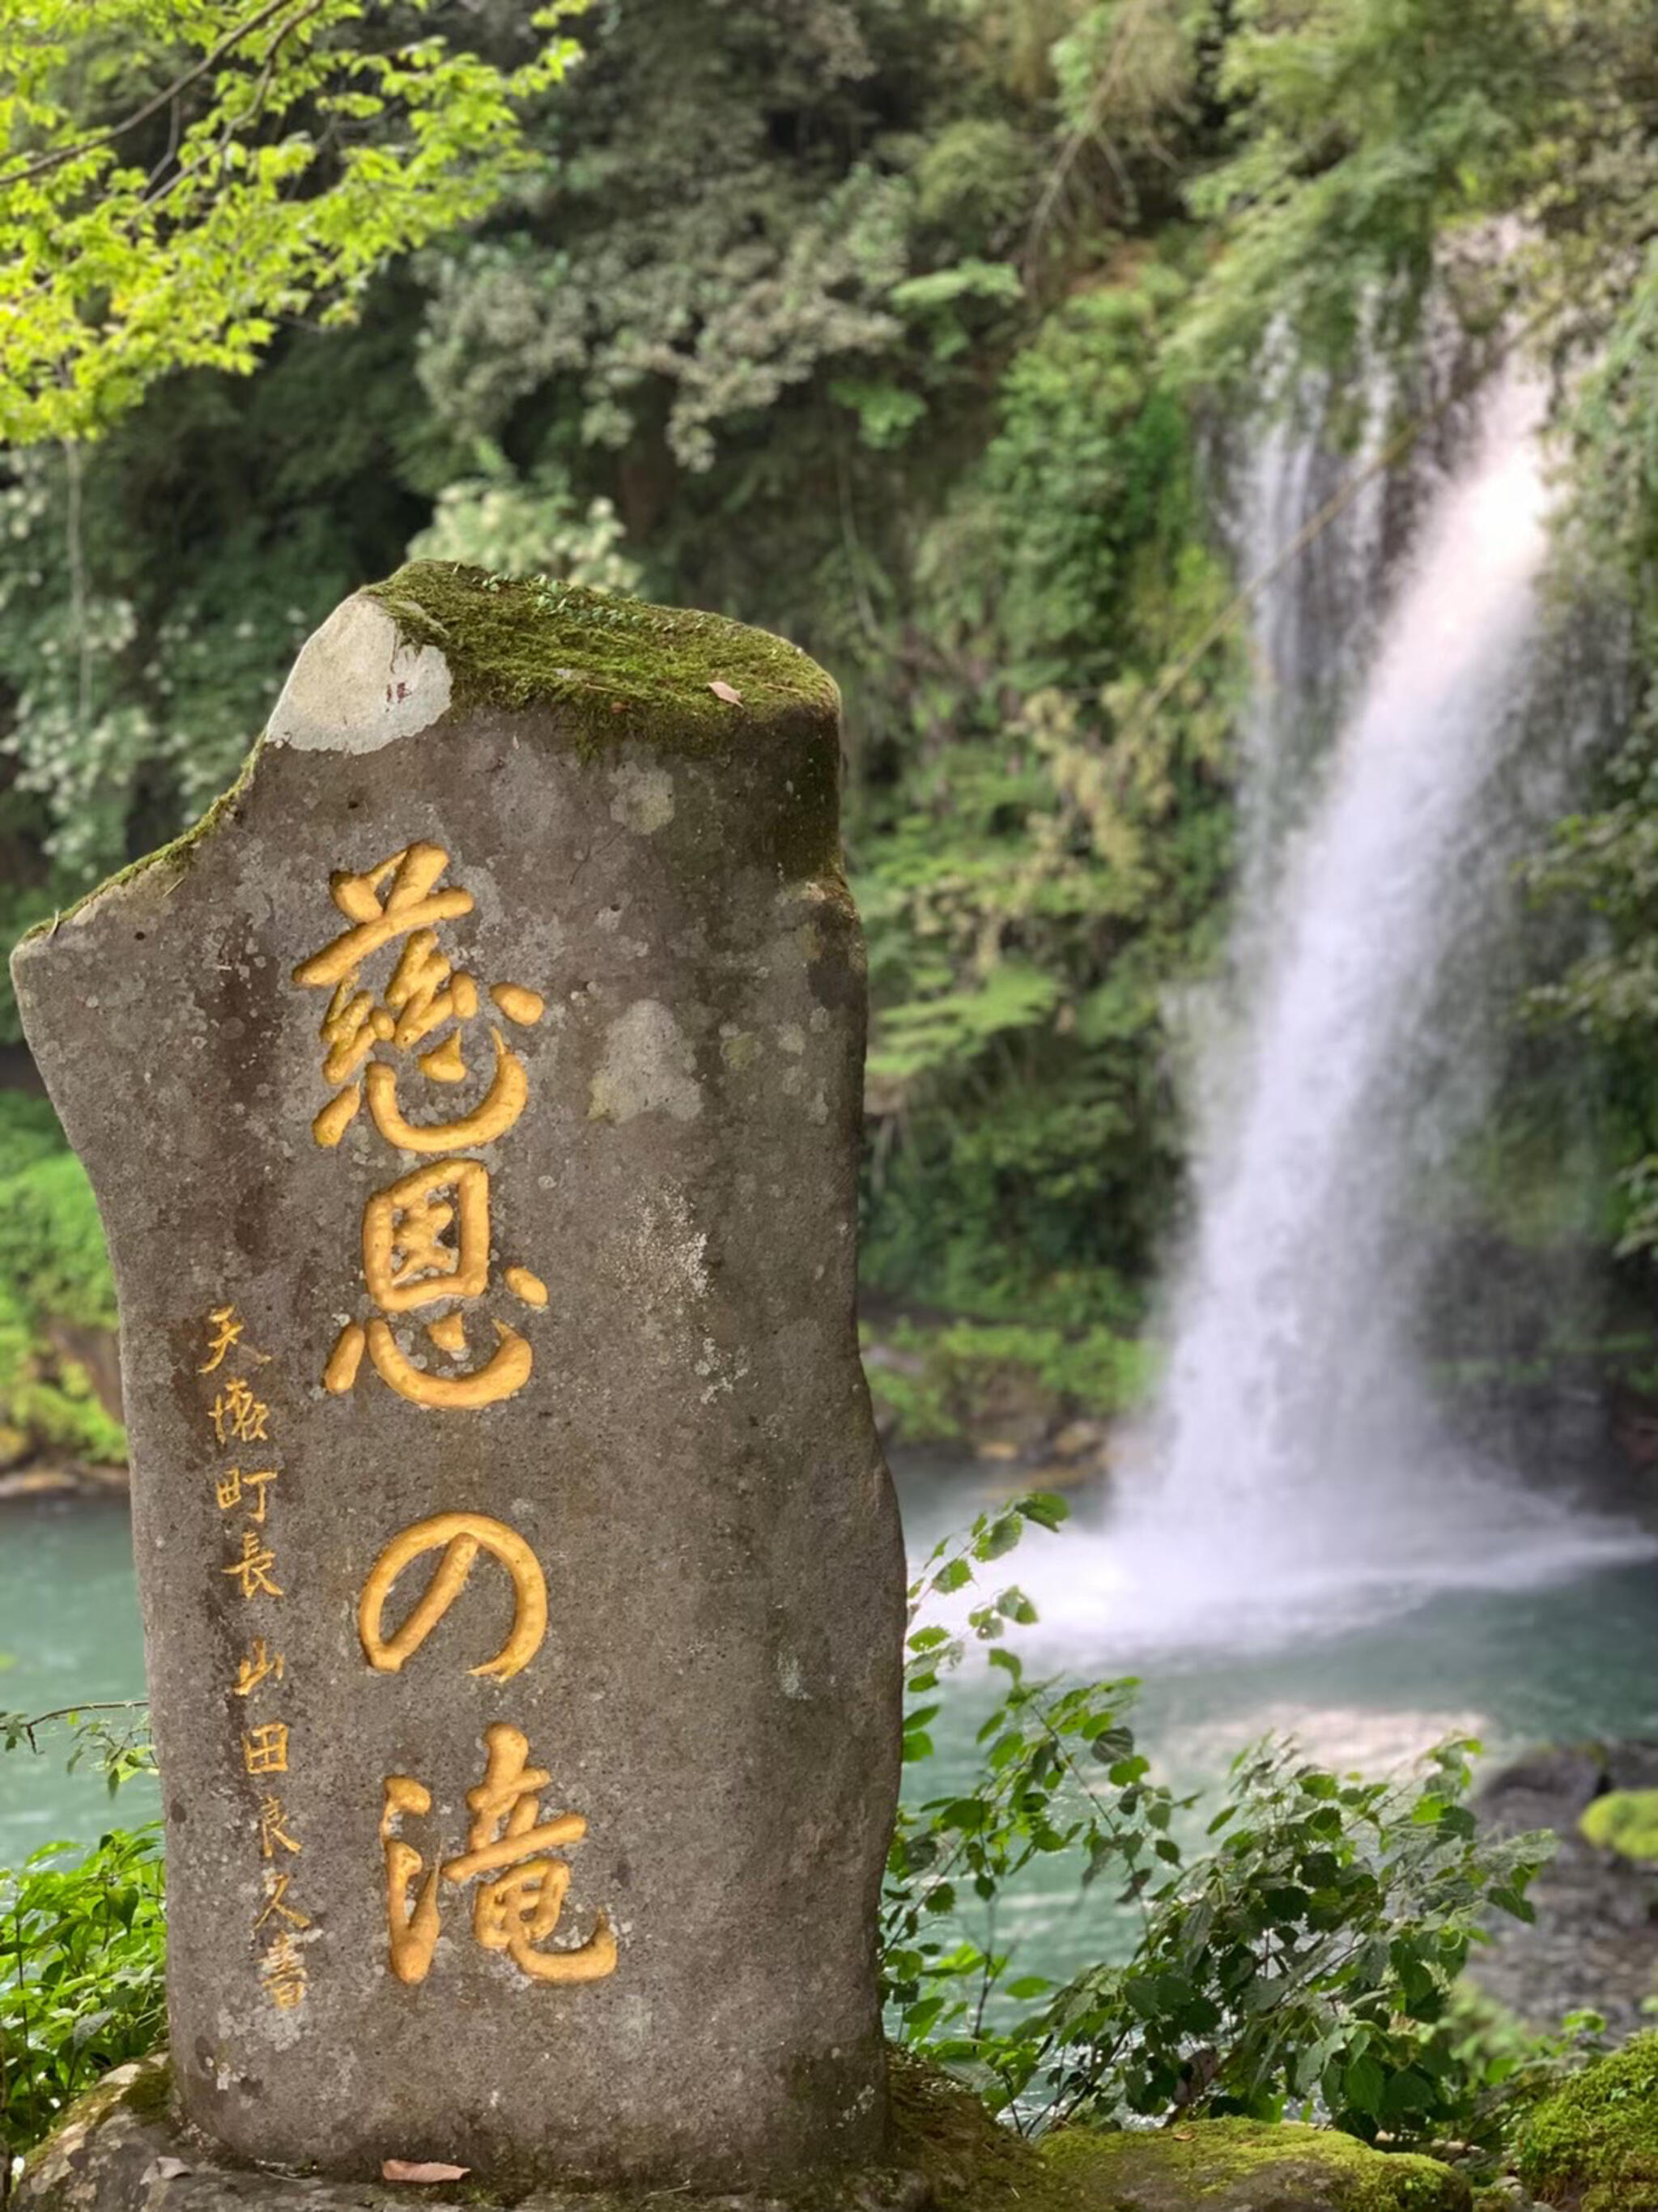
1288, 1387
1297, 1468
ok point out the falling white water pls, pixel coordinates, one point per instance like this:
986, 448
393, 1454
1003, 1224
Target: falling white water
1297, 1472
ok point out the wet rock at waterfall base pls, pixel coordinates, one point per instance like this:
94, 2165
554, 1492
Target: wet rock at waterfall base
1593, 1944
471, 1103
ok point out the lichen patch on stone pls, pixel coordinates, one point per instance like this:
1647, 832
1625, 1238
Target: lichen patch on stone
660, 1256
649, 1066
644, 798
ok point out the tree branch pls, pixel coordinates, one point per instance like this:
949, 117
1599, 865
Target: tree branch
47, 162
69, 1713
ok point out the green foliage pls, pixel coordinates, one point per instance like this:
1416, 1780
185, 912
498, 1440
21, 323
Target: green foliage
54, 1283
177, 184
52, 1247
82, 1938
1029, 886
494, 521
1605, 860
1521, 2065
1373, 128
80, 1977
1302, 1959
30, 1132
1089, 472
939, 1384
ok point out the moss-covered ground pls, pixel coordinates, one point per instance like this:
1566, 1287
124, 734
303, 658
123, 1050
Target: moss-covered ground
972, 2164
1592, 2146
1245, 2166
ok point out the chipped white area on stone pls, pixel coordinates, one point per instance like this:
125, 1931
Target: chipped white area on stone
790, 1679
644, 798
358, 684
649, 1066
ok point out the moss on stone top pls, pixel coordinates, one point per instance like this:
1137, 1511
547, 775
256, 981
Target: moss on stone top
1624, 1820
1592, 2146
626, 669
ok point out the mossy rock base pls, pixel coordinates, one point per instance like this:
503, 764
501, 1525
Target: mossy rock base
1247, 2165
122, 2150
1593, 2147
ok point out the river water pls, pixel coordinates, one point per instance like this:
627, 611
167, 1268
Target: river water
1574, 1658
68, 1631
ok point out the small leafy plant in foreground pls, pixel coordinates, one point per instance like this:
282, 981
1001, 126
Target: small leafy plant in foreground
1300, 1961
82, 1945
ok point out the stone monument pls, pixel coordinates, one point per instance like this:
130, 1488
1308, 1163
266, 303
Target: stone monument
471, 1103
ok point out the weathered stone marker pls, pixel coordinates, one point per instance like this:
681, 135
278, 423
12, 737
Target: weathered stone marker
471, 1105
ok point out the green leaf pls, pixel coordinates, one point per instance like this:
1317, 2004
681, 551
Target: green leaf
1363, 2085
1045, 1507
998, 1538
1513, 1901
